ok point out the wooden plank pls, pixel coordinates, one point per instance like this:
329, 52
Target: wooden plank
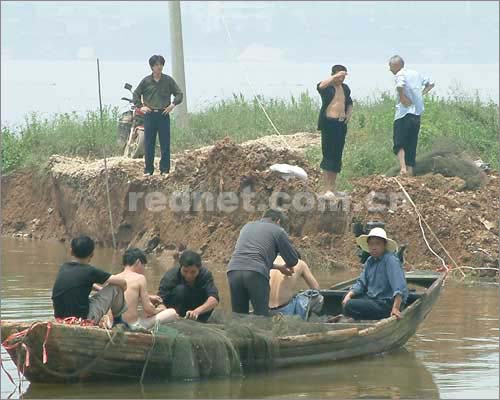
316, 338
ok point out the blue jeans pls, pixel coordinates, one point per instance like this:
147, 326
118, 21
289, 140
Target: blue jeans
156, 122
298, 305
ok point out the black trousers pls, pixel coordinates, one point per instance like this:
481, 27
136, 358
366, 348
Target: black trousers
333, 135
184, 300
249, 286
405, 137
366, 308
156, 122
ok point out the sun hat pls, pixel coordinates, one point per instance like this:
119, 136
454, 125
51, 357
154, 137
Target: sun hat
362, 240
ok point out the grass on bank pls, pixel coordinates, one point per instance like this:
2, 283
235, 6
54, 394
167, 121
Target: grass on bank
465, 120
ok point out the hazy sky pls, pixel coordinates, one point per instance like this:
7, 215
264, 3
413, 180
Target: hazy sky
348, 32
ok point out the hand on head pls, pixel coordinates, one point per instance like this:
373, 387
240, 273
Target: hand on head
339, 76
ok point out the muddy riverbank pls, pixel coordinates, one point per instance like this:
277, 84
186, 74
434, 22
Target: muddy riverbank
212, 192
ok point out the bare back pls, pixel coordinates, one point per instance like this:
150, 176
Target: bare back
336, 108
136, 284
283, 288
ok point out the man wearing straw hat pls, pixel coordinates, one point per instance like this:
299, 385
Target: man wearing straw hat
381, 288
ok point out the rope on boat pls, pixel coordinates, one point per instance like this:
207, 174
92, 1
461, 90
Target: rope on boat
19, 374
23, 334
150, 352
7, 372
42, 363
105, 326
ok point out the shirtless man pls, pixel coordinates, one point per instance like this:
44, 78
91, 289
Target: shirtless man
335, 114
283, 289
134, 263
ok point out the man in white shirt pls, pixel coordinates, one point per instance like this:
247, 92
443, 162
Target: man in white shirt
410, 87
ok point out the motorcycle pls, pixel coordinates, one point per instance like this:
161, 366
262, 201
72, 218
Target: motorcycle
131, 128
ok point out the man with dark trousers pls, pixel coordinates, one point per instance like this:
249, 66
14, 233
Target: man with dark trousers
189, 288
154, 97
411, 86
256, 249
335, 114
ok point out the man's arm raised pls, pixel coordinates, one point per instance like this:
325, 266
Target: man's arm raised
331, 80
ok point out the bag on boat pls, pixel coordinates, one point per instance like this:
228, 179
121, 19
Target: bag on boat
303, 304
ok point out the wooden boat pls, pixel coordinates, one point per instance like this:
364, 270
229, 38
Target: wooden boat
77, 353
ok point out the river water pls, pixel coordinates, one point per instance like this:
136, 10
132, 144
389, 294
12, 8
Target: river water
453, 355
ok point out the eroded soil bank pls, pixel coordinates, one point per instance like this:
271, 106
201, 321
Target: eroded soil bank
212, 192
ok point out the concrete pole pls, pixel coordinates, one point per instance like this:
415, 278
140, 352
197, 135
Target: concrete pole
177, 55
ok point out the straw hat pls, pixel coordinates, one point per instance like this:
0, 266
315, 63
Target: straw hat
362, 241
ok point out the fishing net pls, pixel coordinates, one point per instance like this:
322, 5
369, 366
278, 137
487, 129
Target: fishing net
448, 159
227, 345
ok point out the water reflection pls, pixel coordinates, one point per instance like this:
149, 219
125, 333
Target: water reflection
454, 354
400, 375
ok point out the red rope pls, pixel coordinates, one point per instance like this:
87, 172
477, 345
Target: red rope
22, 334
7, 372
75, 321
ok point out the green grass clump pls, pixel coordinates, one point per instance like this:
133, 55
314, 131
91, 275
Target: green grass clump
464, 120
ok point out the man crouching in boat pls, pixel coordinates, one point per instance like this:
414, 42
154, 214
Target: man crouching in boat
189, 288
75, 280
381, 288
134, 264
283, 296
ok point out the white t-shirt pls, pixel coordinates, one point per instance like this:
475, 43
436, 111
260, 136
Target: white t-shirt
412, 83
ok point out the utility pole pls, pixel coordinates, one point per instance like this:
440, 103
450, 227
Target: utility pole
174, 11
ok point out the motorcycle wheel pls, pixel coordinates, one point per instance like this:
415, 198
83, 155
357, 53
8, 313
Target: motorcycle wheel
136, 148
124, 125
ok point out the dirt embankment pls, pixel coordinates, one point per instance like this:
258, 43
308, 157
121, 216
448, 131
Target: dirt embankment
212, 192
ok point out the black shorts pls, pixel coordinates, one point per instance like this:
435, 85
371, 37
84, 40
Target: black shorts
333, 135
406, 137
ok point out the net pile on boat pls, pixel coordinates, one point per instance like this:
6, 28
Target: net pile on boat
227, 345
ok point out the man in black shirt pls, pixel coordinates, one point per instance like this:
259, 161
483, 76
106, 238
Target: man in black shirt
75, 280
154, 97
189, 288
335, 113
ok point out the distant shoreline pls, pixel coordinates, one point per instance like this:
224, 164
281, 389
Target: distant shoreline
52, 88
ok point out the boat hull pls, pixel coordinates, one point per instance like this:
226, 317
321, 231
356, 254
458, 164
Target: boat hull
76, 353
